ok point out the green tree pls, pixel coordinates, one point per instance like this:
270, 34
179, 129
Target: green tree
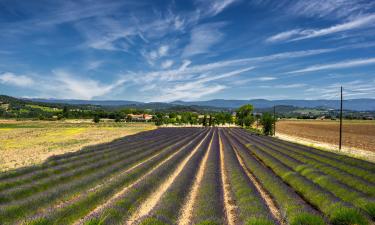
204, 122
210, 121
65, 112
248, 120
267, 122
96, 118
244, 115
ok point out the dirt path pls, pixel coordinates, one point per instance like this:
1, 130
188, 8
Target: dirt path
119, 194
263, 193
230, 207
154, 198
187, 209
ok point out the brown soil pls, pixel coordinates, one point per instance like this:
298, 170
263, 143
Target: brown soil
360, 135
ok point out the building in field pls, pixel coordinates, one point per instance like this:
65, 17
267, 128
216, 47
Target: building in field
139, 117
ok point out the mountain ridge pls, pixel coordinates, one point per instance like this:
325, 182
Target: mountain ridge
360, 104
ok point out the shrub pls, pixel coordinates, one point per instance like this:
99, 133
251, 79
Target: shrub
307, 219
152, 221
257, 221
208, 222
347, 216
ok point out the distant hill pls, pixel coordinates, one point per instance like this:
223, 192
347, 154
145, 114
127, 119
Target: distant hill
365, 104
87, 102
352, 104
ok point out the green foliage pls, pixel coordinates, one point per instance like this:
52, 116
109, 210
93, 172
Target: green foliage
204, 122
208, 222
96, 119
41, 221
267, 122
347, 216
307, 219
152, 221
244, 115
257, 221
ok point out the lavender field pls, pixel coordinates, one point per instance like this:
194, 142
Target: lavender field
192, 176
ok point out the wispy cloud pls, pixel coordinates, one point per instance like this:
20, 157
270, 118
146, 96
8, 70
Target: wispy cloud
329, 8
351, 89
300, 34
167, 64
197, 87
61, 84
16, 80
203, 37
284, 86
69, 86
95, 64
286, 35
214, 7
337, 65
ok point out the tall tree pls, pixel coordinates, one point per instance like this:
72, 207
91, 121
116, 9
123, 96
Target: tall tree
267, 122
244, 115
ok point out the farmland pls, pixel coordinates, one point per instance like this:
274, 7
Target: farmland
191, 176
356, 134
25, 143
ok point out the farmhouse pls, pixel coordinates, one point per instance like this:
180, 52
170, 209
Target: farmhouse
140, 117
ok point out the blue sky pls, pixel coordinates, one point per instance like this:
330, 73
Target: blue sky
164, 50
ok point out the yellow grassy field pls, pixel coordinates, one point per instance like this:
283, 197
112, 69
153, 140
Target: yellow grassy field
24, 143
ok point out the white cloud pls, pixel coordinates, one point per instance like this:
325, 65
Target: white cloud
214, 7
351, 89
184, 65
284, 86
16, 80
265, 78
338, 65
203, 37
92, 65
300, 34
299, 85
195, 88
283, 35
163, 50
68, 86
188, 92
167, 64
186, 71
329, 8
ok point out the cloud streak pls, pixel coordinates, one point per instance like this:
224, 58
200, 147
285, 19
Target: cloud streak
338, 65
301, 34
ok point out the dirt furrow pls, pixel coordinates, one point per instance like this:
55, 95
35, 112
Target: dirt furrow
146, 207
118, 195
265, 195
187, 209
230, 207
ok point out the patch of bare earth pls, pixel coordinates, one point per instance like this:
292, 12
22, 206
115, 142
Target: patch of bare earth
357, 135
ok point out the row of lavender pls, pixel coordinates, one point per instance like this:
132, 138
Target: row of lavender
60, 187
339, 187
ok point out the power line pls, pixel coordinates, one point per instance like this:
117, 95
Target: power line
340, 139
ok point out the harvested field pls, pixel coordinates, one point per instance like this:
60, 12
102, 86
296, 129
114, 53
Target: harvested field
25, 143
356, 134
192, 176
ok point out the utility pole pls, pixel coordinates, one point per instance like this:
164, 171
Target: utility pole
274, 120
340, 141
